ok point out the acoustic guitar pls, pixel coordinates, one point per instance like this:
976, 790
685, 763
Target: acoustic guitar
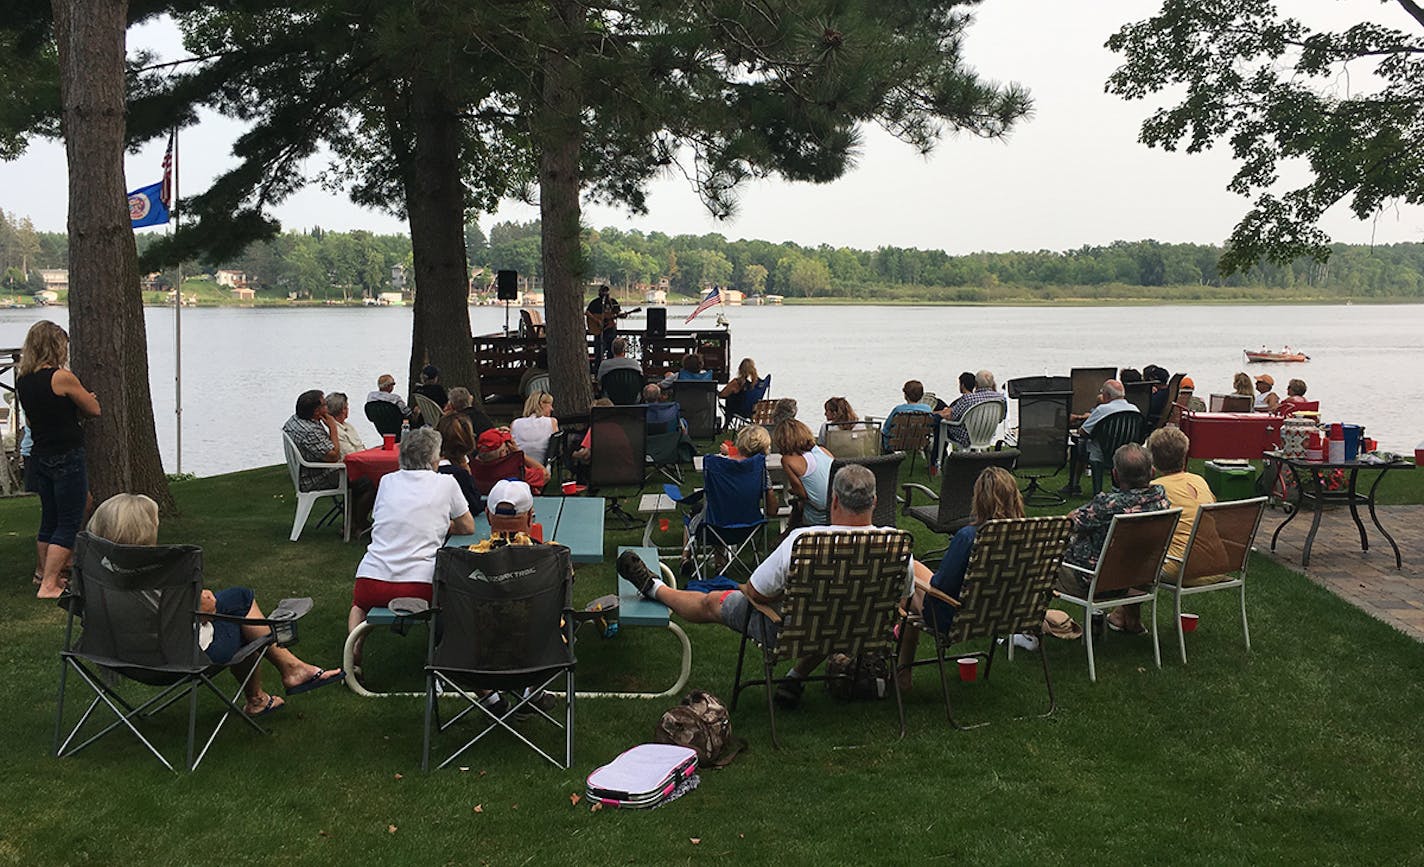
599, 322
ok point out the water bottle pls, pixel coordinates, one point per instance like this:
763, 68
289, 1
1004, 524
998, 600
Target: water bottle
405, 429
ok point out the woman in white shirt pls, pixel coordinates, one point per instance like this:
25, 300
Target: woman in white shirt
416, 508
531, 433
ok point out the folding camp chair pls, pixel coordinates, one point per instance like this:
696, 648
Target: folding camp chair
886, 469
306, 499
1139, 394
733, 514
1220, 544
617, 452
1127, 572
763, 411
699, 406
910, 432
957, 475
501, 620
1111, 433
385, 415
486, 474
139, 609
738, 408
843, 593
1086, 384
1006, 592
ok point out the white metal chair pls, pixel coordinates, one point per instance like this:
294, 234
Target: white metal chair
1132, 557
981, 421
306, 499
430, 411
1220, 544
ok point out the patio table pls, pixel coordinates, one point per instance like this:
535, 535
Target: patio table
1311, 489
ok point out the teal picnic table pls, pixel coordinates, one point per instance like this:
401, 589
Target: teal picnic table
575, 522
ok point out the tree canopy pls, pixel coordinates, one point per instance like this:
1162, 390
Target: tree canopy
1349, 105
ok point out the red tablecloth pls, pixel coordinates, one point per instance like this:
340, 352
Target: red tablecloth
372, 463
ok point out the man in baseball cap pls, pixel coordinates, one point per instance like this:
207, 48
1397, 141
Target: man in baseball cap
1266, 399
1186, 395
509, 508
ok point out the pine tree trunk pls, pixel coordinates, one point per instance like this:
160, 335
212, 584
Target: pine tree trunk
435, 201
558, 131
108, 339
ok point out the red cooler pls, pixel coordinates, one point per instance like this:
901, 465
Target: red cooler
1231, 434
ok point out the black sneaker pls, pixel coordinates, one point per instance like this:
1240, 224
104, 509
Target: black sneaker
788, 693
543, 701
632, 567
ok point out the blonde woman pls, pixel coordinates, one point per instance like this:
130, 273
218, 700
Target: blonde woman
531, 433
746, 379
132, 519
808, 470
55, 401
996, 495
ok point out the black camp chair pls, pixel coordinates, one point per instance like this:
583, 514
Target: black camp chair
502, 620
139, 610
1087, 382
698, 400
957, 474
385, 415
618, 445
886, 469
1139, 394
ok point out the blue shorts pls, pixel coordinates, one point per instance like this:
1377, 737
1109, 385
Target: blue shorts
227, 636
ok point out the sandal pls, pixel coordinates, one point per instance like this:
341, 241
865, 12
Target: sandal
273, 705
320, 678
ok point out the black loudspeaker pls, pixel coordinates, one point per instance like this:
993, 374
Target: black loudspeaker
657, 321
507, 284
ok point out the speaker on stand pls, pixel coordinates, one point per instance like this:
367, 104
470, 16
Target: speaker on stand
657, 322
506, 284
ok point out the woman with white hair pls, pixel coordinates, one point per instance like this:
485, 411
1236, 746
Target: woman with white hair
416, 508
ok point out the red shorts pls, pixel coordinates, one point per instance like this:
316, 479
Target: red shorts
370, 593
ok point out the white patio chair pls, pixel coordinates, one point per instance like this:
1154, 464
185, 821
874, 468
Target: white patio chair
1220, 544
430, 411
981, 422
306, 499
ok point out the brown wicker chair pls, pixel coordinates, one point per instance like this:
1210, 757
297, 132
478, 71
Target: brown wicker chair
762, 413
1006, 591
910, 432
842, 595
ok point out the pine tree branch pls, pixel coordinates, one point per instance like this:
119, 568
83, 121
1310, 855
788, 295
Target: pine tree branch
173, 63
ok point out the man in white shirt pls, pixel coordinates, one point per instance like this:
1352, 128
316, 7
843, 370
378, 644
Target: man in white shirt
852, 505
1112, 399
386, 391
348, 440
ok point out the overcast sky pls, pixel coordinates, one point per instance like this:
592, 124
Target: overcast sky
1071, 175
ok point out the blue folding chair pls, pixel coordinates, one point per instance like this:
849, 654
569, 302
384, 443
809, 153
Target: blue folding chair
739, 406
733, 516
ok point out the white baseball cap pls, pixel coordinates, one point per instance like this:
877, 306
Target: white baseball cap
510, 497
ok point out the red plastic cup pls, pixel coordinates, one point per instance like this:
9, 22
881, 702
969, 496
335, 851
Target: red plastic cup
1189, 622
968, 668
570, 488
663, 524
388, 442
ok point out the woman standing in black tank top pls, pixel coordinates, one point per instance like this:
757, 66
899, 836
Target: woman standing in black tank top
54, 401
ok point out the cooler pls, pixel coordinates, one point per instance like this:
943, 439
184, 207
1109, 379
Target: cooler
1230, 481
1245, 435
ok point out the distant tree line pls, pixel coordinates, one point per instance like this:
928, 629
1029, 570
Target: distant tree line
323, 264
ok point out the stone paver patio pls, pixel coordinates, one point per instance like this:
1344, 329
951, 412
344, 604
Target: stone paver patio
1367, 580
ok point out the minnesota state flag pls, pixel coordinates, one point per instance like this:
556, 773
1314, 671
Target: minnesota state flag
146, 206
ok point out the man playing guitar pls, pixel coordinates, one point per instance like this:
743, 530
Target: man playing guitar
602, 315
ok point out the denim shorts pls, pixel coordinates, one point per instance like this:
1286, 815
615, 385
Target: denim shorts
63, 485
227, 636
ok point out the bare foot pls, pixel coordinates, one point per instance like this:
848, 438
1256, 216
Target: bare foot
50, 592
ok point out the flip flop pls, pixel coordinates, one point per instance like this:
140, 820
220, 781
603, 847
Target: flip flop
1140, 630
317, 681
271, 707
39, 579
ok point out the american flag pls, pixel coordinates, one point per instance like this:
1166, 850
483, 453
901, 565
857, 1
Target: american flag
712, 300
168, 171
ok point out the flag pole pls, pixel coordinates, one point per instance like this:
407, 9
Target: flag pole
177, 322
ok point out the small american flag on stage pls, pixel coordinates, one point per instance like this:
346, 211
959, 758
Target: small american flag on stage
167, 194
712, 300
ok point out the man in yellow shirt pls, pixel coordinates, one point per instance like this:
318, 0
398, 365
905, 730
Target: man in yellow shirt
1187, 491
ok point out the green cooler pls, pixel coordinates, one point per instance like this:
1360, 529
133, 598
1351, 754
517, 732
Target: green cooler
1230, 480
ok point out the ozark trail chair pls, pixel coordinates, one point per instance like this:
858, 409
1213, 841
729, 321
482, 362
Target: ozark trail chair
306, 499
733, 514
139, 608
668, 448
957, 475
1220, 544
501, 620
1006, 591
842, 595
1131, 560
617, 452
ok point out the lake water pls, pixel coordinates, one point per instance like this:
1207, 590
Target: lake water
242, 369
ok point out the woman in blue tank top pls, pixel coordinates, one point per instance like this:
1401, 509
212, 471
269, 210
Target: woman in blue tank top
808, 470
54, 401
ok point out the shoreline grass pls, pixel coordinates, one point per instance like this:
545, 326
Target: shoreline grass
1308, 748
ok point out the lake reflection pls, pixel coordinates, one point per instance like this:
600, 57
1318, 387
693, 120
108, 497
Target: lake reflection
242, 369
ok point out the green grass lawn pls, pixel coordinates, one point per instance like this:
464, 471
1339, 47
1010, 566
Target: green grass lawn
1308, 748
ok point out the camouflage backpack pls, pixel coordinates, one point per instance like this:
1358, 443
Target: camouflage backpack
700, 723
